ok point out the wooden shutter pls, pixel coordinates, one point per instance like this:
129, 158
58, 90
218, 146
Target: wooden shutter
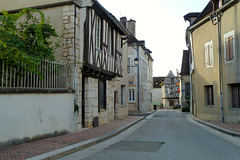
211, 55
207, 55
227, 49
231, 56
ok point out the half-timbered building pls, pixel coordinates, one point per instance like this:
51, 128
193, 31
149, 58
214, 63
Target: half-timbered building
170, 91
95, 50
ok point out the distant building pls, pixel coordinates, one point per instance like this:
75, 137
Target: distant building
142, 71
184, 96
158, 90
170, 91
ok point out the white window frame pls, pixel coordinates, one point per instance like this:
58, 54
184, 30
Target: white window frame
229, 34
131, 95
209, 61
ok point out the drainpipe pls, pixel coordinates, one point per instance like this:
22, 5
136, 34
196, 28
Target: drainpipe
75, 69
220, 64
138, 79
214, 18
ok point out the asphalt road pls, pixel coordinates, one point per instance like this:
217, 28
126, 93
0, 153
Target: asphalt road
168, 135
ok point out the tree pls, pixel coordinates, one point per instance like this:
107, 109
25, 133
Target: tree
26, 38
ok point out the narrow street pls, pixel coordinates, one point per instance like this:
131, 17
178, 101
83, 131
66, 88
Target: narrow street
168, 135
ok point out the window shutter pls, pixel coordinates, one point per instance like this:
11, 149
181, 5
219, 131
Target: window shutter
207, 55
227, 49
231, 56
211, 54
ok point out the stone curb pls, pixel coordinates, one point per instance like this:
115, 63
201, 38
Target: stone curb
232, 133
82, 145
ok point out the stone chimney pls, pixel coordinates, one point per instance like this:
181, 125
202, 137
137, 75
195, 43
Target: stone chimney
123, 20
131, 26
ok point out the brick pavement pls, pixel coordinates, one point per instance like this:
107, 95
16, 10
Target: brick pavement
31, 149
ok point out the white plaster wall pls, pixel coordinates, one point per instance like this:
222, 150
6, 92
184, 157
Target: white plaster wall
157, 96
28, 115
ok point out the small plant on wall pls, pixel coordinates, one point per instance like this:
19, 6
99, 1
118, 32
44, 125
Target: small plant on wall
26, 38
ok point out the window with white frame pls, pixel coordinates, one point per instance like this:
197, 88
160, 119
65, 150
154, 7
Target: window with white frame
98, 36
209, 54
229, 46
131, 95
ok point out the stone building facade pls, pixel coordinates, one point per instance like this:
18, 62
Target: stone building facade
95, 50
140, 75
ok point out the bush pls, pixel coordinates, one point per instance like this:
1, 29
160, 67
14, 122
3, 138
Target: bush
186, 109
26, 38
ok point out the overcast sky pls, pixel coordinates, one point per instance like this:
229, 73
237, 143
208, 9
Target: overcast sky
160, 23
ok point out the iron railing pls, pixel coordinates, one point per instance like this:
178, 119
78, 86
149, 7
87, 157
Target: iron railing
52, 75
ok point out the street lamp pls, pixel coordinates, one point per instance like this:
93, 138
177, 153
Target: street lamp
136, 61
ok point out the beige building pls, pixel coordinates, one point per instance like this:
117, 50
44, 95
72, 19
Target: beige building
158, 91
139, 75
213, 41
94, 46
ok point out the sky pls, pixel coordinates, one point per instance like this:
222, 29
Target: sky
161, 24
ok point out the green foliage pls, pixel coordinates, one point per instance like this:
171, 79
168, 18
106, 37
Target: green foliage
25, 38
186, 109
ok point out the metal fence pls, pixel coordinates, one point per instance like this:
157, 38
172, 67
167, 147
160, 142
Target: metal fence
53, 75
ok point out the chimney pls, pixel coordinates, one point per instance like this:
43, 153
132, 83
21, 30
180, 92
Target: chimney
132, 26
123, 20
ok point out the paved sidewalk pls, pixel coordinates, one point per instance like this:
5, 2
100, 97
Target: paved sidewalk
55, 147
228, 128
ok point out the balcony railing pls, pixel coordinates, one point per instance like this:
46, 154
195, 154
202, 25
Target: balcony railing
53, 75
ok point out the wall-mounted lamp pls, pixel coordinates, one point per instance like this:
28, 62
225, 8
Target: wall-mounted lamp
136, 61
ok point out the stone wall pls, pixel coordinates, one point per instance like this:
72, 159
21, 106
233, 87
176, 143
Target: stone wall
71, 53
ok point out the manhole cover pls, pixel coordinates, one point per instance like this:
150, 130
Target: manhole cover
137, 146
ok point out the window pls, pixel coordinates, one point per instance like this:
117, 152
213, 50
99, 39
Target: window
229, 46
209, 54
123, 95
98, 36
102, 94
187, 91
171, 102
110, 41
235, 95
172, 80
209, 95
131, 94
129, 67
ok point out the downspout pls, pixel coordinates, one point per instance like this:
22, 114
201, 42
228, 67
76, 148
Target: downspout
217, 17
75, 70
220, 64
139, 109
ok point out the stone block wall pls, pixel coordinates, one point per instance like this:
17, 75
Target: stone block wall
71, 54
